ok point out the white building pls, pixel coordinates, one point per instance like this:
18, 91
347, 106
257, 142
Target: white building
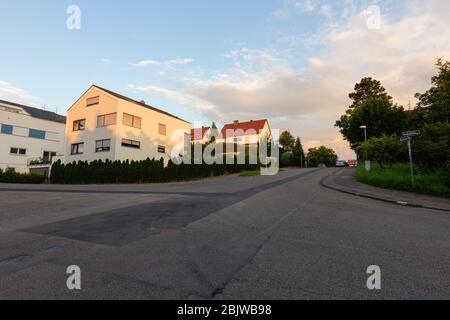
245, 133
106, 125
29, 138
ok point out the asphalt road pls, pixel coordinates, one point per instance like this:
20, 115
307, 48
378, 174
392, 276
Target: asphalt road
281, 237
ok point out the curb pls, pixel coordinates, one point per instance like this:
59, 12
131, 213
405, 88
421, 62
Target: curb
363, 195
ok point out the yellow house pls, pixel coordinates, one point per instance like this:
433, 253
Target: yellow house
103, 124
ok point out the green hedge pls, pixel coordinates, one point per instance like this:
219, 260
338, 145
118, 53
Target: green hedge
147, 171
10, 176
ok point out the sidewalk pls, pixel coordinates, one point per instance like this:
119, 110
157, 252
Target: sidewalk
344, 181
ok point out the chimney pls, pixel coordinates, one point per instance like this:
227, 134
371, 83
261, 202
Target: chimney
236, 122
142, 101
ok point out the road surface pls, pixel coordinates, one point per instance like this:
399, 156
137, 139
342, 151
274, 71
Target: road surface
281, 237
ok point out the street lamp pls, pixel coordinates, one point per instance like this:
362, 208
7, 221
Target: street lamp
365, 131
368, 166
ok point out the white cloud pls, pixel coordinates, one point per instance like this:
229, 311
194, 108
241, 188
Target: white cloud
145, 63
15, 94
172, 62
179, 61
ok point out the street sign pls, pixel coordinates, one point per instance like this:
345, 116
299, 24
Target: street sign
411, 133
407, 137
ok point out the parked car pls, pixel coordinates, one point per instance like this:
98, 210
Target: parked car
321, 166
352, 163
341, 164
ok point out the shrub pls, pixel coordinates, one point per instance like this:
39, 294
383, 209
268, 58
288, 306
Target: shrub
146, 171
10, 176
386, 150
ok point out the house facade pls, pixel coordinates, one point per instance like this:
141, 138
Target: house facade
106, 125
245, 133
200, 135
29, 138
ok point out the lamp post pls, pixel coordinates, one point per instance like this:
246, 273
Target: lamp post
368, 166
365, 132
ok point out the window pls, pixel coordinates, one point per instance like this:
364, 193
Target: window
162, 129
92, 101
103, 145
161, 149
7, 129
131, 144
48, 156
18, 151
77, 148
38, 134
79, 125
106, 120
131, 121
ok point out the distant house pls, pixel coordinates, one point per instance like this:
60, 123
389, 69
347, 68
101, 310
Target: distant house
29, 138
103, 124
245, 133
200, 135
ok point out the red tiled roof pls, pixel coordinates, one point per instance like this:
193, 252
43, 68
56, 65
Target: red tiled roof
199, 133
241, 128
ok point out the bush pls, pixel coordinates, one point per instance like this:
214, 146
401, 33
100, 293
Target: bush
386, 150
146, 171
286, 159
10, 176
432, 148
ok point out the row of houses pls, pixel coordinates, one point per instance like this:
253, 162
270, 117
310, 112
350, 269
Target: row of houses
101, 125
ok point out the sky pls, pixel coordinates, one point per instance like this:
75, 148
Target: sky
291, 61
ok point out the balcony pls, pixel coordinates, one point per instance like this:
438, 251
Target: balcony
39, 162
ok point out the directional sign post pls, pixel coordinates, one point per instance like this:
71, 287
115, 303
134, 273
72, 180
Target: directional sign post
407, 136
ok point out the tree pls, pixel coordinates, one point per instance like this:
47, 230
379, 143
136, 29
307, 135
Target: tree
366, 89
322, 155
287, 141
432, 148
434, 105
380, 116
385, 150
298, 154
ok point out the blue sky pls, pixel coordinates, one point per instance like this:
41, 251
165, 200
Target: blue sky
292, 61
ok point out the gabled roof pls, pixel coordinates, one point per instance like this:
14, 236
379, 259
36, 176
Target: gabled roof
199, 133
140, 103
241, 128
38, 113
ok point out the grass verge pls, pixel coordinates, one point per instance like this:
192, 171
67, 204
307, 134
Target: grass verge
250, 173
397, 177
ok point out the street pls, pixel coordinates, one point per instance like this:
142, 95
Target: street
268, 237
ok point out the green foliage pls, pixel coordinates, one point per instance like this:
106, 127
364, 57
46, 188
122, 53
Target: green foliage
397, 177
366, 89
10, 176
147, 171
434, 105
380, 116
286, 159
298, 154
432, 148
322, 155
287, 141
386, 150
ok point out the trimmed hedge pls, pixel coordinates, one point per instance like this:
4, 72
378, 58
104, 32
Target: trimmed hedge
10, 176
146, 171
